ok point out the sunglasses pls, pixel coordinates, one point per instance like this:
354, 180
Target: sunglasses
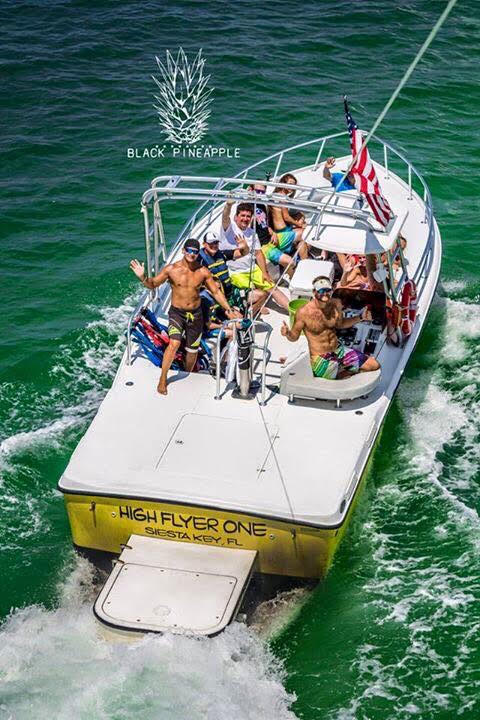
322, 291
213, 242
190, 251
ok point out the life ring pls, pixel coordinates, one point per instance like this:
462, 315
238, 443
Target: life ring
408, 308
401, 317
394, 322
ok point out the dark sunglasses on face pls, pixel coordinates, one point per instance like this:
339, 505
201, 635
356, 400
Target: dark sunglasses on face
191, 251
214, 242
323, 290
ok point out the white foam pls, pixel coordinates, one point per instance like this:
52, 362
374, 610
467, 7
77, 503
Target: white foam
114, 319
22, 516
416, 590
438, 416
271, 616
462, 322
51, 432
97, 362
432, 425
27, 439
454, 286
54, 664
432, 422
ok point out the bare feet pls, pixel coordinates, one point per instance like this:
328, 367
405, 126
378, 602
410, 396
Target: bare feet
162, 388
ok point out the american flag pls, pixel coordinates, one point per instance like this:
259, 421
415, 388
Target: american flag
366, 180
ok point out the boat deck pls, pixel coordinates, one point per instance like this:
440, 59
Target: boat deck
189, 447
299, 461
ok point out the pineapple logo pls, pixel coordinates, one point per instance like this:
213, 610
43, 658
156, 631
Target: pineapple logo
183, 99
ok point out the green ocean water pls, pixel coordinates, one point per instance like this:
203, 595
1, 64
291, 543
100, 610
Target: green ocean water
393, 632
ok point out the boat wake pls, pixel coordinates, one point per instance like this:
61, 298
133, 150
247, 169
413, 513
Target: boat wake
419, 580
54, 663
77, 381
272, 616
42, 420
423, 532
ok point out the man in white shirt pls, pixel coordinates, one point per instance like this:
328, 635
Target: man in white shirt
250, 270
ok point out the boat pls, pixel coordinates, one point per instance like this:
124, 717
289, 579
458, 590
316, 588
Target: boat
195, 493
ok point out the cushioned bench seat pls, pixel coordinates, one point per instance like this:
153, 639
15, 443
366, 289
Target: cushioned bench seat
297, 380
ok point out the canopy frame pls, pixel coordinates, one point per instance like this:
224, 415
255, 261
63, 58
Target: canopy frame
273, 166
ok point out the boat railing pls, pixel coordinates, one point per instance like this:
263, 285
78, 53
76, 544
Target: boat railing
311, 200
411, 171
287, 159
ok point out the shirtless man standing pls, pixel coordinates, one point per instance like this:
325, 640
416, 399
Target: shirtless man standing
185, 316
330, 359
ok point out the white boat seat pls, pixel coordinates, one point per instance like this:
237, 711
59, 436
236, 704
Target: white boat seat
297, 380
304, 275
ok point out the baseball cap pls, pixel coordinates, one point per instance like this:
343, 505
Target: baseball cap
322, 283
191, 244
211, 237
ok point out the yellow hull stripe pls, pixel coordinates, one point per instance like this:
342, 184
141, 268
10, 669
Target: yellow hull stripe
284, 548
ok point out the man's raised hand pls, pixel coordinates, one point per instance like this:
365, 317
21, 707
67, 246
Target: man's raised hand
241, 240
138, 268
330, 162
284, 329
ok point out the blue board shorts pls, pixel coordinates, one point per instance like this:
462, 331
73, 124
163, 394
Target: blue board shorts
286, 239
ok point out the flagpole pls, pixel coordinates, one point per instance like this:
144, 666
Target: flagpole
395, 93
380, 118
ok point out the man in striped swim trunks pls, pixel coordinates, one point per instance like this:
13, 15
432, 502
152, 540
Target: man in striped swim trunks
318, 319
